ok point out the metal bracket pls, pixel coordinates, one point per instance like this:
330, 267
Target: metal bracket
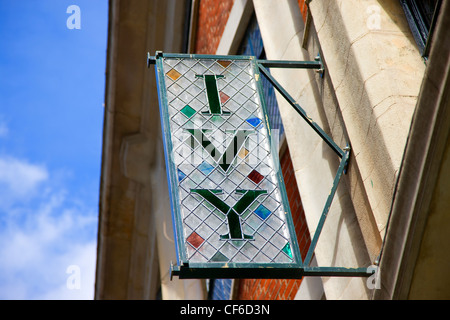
188, 270
262, 64
174, 270
321, 70
192, 272
152, 59
344, 154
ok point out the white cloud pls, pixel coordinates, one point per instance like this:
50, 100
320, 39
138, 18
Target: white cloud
76, 274
19, 178
51, 279
42, 237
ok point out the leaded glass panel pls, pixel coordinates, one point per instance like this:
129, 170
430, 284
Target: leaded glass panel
228, 198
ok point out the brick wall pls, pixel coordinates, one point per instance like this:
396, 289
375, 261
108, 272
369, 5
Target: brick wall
303, 8
212, 18
281, 289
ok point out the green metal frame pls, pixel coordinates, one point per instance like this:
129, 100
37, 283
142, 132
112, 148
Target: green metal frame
297, 270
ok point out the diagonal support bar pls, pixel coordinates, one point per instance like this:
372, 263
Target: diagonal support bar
302, 112
326, 209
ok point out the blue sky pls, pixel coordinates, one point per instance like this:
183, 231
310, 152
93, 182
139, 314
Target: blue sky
52, 83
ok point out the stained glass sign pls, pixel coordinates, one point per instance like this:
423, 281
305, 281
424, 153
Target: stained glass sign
229, 205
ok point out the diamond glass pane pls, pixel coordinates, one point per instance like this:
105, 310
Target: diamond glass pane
228, 198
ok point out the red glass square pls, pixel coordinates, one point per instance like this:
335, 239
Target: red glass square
255, 176
223, 97
195, 240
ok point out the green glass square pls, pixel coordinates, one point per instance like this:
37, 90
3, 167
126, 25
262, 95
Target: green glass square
188, 111
287, 249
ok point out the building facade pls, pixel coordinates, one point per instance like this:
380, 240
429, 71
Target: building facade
382, 92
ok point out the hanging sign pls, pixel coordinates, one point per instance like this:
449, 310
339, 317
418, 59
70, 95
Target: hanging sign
229, 205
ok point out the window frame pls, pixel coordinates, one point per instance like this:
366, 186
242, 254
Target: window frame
421, 24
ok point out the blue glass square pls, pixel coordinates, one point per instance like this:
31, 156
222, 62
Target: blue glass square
262, 212
254, 121
205, 167
181, 175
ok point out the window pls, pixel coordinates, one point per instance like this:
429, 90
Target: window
252, 45
421, 16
